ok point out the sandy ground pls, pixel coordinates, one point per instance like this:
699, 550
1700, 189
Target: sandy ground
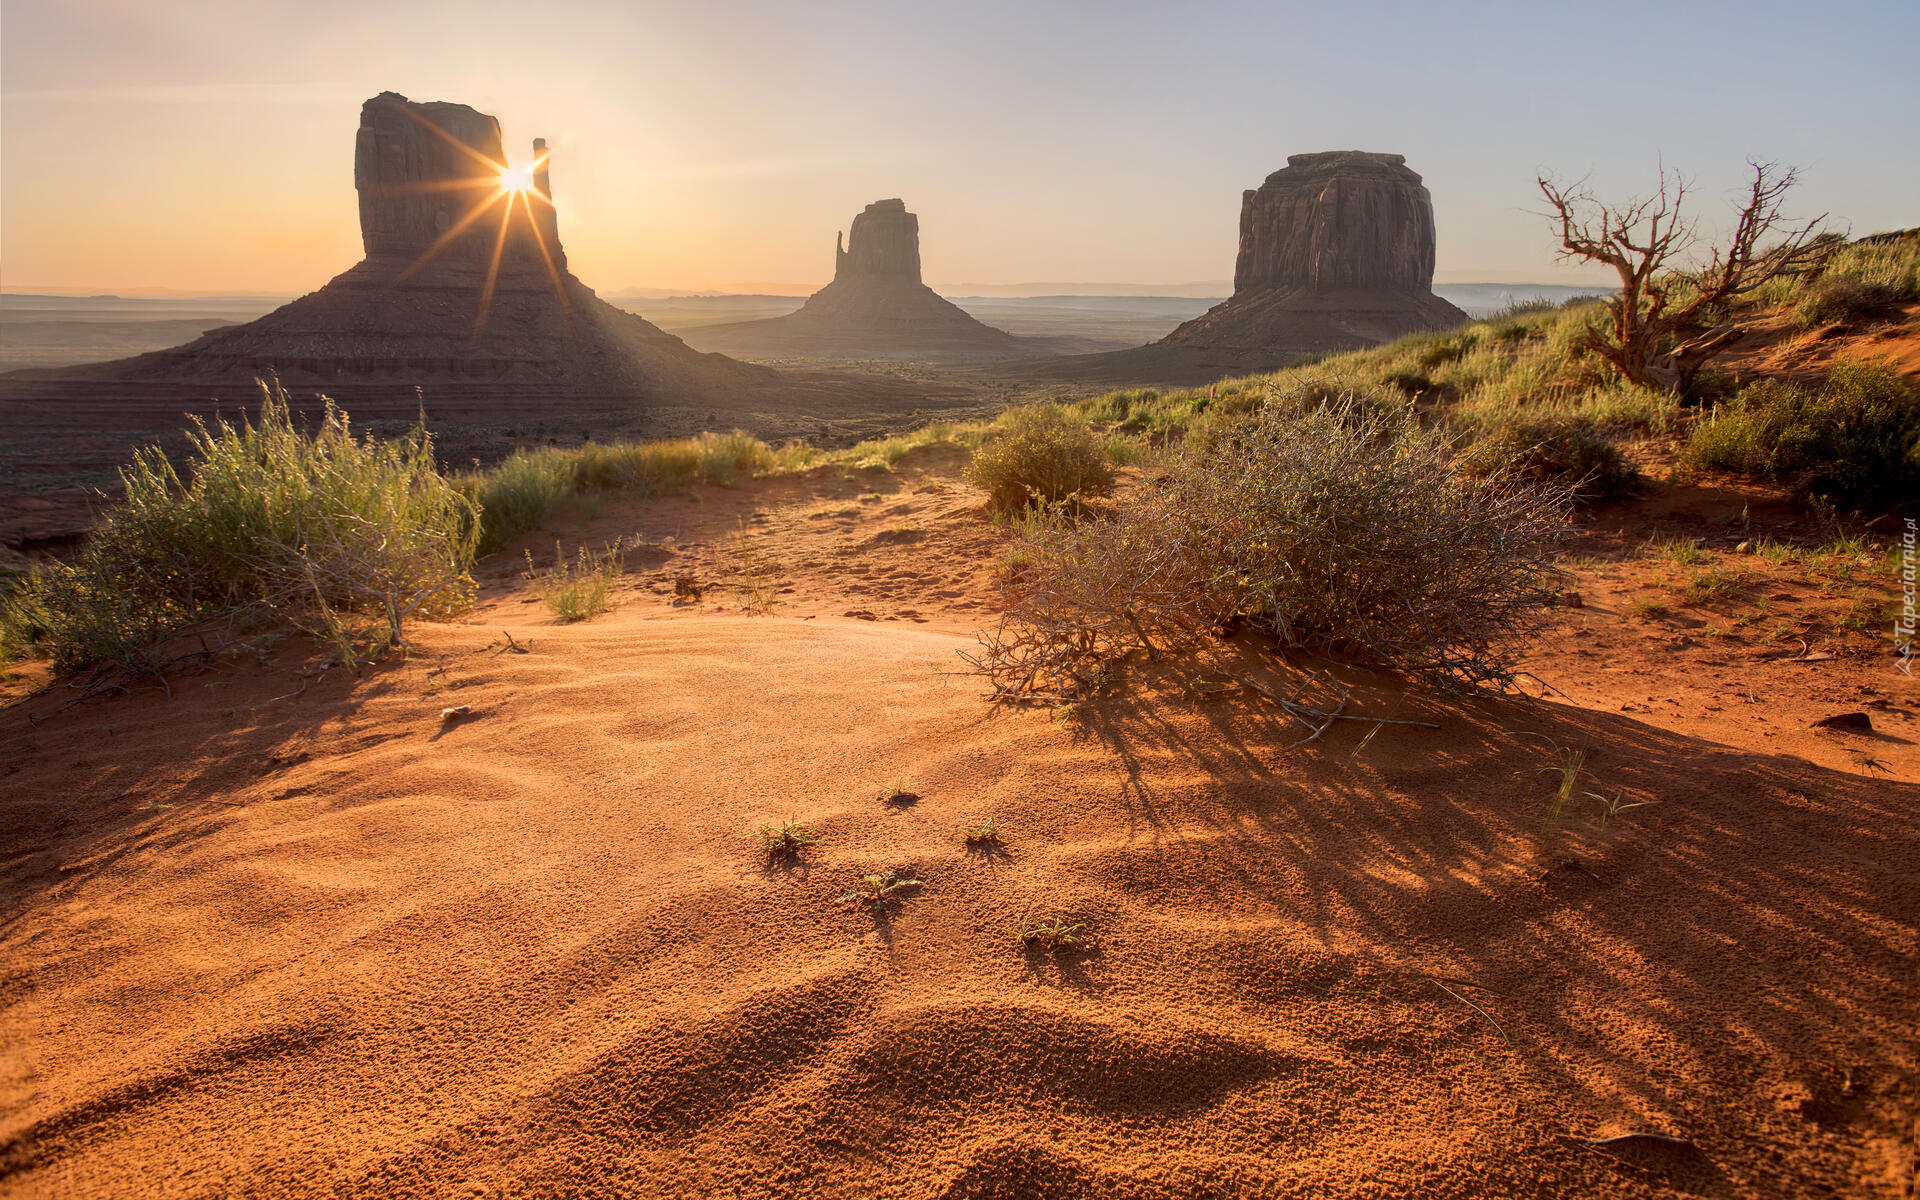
285, 932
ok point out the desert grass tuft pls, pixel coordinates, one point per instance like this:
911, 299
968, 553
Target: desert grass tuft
989, 832
344, 536
1713, 584
1051, 933
579, 590
876, 892
897, 792
523, 492
1567, 763
758, 591
784, 838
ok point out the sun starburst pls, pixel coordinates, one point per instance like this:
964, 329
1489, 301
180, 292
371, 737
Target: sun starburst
506, 189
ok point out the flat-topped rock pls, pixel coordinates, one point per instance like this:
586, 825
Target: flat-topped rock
883, 241
1336, 252
1341, 219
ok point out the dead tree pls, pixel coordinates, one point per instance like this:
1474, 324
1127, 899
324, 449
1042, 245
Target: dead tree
1669, 320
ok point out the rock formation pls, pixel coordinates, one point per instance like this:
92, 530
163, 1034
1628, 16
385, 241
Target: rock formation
875, 306
1336, 252
885, 240
464, 293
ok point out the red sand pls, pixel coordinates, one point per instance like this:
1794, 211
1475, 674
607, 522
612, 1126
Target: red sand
285, 937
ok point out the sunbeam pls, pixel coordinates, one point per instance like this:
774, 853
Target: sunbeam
447, 239
493, 267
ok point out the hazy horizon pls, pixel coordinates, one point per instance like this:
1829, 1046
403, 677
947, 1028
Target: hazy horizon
1217, 289
207, 148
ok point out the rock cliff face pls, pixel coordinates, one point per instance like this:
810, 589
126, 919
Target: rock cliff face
429, 178
1336, 251
876, 305
464, 292
418, 169
884, 240
1343, 219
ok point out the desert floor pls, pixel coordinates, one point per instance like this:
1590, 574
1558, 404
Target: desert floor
280, 930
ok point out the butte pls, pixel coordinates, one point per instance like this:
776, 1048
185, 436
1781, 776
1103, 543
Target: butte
1336, 253
876, 306
464, 293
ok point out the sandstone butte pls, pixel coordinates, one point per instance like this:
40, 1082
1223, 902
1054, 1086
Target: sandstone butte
876, 305
1336, 253
464, 289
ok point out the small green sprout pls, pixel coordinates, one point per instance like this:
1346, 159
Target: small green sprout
975, 835
900, 789
1052, 932
877, 891
787, 837
1612, 806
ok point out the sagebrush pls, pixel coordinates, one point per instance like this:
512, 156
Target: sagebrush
1041, 455
1348, 527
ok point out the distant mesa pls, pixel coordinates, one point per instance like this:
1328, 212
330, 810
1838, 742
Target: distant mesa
464, 291
1336, 253
876, 305
883, 241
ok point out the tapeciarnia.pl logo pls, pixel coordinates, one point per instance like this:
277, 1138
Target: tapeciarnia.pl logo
1904, 624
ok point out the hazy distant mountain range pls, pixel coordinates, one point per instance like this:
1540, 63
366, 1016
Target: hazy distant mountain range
1478, 299
40, 330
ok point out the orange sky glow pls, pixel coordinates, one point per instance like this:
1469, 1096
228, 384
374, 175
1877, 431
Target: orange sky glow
208, 146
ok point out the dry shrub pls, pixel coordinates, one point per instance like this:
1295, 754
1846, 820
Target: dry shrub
1347, 527
1041, 456
1562, 450
1839, 300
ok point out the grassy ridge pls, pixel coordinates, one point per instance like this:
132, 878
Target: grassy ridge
349, 536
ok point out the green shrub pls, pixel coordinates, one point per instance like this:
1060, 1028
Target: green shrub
518, 495
1563, 450
1116, 407
1124, 451
1449, 348
1348, 527
1853, 442
1840, 300
1040, 454
341, 535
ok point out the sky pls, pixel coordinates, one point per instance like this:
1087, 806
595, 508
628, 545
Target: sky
207, 145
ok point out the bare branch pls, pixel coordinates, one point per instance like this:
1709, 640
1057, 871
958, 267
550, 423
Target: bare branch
1660, 301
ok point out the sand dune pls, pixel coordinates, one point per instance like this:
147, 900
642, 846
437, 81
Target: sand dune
528, 953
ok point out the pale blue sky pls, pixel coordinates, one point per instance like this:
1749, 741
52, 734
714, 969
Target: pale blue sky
209, 145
